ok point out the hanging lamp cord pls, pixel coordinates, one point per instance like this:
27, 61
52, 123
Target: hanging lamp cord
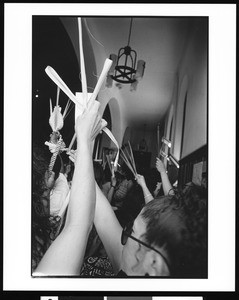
131, 20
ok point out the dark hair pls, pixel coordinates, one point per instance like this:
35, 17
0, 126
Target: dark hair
71, 173
99, 173
40, 219
179, 223
132, 205
39, 167
152, 177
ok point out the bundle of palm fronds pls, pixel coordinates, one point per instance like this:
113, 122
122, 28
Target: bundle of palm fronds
128, 157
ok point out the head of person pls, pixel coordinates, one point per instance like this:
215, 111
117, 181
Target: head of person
171, 237
132, 204
152, 177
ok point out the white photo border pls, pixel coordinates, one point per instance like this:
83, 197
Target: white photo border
17, 147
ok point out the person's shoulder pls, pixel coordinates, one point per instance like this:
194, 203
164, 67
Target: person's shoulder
61, 181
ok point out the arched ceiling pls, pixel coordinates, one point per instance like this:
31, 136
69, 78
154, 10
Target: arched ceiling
159, 41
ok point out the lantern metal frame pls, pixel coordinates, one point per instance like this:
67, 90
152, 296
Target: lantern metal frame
125, 70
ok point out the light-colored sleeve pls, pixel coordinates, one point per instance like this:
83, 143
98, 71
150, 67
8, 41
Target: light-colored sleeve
58, 194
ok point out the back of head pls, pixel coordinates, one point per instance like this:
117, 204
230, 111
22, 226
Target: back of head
132, 204
152, 177
179, 224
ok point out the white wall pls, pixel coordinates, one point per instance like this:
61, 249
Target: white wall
192, 79
118, 124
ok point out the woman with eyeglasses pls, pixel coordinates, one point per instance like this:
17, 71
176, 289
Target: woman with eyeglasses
167, 239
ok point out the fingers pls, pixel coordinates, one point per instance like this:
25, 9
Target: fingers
86, 122
72, 159
94, 106
71, 152
159, 163
139, 177
97, 127
158, 160
72, 155
91, 105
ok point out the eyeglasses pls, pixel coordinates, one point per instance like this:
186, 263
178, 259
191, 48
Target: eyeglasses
126, 233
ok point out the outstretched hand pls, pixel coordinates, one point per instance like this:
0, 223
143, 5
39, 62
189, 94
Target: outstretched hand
140, 180
160, 166
72, 155
113, 180
158, 186
85, 123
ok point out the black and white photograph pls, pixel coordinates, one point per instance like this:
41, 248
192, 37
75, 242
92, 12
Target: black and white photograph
157, 119
120, 108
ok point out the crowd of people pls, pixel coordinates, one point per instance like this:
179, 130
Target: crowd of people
114, 225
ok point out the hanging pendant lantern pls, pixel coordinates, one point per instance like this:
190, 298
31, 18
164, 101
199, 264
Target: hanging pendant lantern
125, 68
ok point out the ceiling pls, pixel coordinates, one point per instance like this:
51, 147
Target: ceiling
160, 42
